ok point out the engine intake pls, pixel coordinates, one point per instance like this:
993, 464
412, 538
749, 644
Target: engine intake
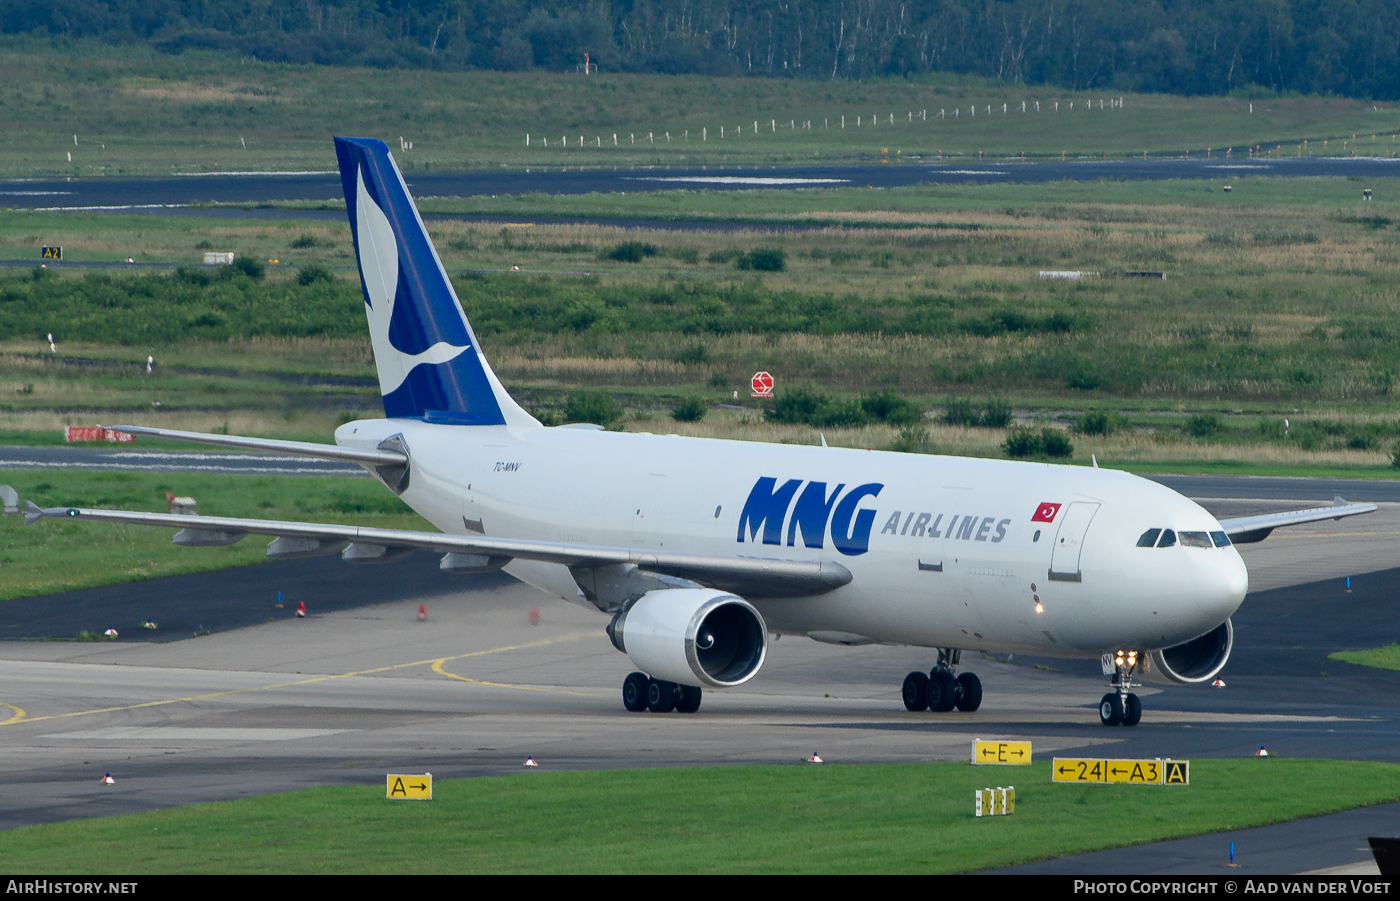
692, 635
1194, 661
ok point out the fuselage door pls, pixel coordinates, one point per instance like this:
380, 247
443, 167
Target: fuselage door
1069, 541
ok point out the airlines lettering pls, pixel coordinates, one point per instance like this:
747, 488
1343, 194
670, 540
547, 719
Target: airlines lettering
766, 512
965, 528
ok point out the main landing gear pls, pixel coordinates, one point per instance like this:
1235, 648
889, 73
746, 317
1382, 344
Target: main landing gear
1121, 707
659, 696
941, 691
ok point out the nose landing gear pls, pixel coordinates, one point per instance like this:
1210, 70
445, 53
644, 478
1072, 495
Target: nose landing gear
941, 691
1120, 707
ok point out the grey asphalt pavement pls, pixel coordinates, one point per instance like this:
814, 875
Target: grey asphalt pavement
268, 702
160, 194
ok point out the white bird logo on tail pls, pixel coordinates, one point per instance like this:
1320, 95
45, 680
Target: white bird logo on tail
379, 264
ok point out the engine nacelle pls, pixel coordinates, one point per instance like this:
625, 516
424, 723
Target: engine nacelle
1195, 661
692, 636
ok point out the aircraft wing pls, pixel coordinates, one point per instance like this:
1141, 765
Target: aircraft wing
1249, 529
750, 576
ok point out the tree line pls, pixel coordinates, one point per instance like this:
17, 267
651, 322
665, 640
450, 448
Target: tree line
1338, 47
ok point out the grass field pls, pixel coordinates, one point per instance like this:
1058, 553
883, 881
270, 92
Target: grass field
1271, 343
52, 556
138, 112
796, 819
1387, 657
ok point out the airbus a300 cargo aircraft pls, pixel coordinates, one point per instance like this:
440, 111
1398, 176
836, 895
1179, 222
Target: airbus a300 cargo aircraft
699, 551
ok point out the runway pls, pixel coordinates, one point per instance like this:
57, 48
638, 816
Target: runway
361, 687
166, 193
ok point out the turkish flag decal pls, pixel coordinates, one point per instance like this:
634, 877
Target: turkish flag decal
1045, 513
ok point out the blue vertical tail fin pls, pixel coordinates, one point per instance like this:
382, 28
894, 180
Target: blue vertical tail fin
430, 366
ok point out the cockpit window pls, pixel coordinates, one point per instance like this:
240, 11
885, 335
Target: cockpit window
1221, 539
1168, 538
1195, 539
1149, 538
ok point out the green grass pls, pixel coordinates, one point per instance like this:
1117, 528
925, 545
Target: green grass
1387, 657
771, 819
59, 555
135, 111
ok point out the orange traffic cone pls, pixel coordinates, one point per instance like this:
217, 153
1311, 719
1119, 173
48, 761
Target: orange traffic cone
422, 613
301, 608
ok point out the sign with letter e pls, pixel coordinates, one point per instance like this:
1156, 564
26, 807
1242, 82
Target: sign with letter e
410, 787
1001, 753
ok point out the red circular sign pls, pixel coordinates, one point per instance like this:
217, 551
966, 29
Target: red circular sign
762, 384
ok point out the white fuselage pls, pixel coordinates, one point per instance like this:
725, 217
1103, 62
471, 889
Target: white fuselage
954, 555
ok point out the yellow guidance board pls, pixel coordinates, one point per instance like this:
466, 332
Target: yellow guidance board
994, 802
409, 787
1001, 753
1155, 771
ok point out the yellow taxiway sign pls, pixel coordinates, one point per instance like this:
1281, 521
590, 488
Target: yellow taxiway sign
409, 787
1155, 771
1001, 753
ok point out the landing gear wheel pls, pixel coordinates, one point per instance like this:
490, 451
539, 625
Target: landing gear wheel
634, 692
1111, 709
661, 696
916, 691
1132, 713
687, 698
969, 692
942, 691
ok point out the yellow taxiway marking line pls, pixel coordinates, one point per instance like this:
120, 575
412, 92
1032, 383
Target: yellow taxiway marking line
438, 664
21, 717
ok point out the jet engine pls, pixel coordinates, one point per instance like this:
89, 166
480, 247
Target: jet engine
692, 635
1194, 661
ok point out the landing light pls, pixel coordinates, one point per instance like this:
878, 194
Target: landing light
1039, 608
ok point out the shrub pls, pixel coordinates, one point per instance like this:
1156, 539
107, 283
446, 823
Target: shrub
312, 273
1395, 457
995, 414
1055, 443
1203, 425
961, 412
689, 410
1094, 422
630, 251
891, 408
727, 255
596, 407
911, 440
249, 267
764, 259
1047, 442
1082, 376
304, 241
1023, 443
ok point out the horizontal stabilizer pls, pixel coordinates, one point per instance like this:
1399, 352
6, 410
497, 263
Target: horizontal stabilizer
753, 576
1250, 529
379, 457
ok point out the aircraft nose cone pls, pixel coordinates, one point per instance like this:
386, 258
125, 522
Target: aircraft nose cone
1226, 581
